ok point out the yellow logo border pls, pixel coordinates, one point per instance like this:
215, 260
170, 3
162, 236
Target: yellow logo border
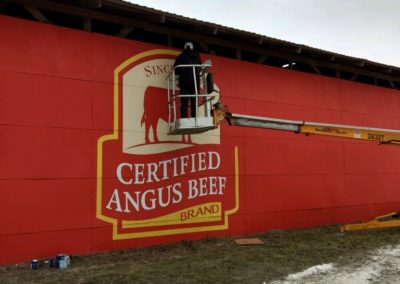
114, 136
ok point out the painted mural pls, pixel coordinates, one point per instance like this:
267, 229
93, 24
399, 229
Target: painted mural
163, 184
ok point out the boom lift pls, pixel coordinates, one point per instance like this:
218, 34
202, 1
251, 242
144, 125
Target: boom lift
383, 136
213, 114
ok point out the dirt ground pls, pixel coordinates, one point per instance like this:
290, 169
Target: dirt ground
318, 255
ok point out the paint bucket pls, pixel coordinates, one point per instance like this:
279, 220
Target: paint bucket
60, 264
62, 261
34, 264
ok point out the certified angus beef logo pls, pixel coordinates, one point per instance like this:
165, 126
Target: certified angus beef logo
153, 184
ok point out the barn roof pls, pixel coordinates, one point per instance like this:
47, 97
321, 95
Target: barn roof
131, 21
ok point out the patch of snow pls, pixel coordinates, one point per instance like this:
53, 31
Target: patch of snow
382, 266
318, 269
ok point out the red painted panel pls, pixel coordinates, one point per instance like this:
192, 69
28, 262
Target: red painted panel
291, 111
41, 205
283, 220
372, 188
299, 157
294, 192
34, 100
109, 54
235, 84
32, 47
45, 153
287, 87
370, 158
45, 244
377, 102
77, 176
102, 105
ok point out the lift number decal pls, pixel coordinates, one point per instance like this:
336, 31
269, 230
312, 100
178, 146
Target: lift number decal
374, 136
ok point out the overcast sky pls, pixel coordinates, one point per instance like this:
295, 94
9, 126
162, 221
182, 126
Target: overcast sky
368, 29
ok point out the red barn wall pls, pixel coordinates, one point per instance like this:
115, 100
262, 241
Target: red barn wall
57, 99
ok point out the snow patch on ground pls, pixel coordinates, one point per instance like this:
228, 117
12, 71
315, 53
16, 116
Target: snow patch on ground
382, 266
318, 269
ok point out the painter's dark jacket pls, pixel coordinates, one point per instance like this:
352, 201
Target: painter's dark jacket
186, 79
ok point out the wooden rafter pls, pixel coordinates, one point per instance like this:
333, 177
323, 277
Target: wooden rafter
125, 31
315, 68
215, 31
169, 41
238, 54
204, 46
91, 4
37, 14
163, 18
87, 24
262, 58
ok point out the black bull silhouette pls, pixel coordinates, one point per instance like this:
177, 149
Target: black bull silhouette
155, 108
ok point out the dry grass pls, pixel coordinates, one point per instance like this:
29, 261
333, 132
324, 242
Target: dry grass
213, 260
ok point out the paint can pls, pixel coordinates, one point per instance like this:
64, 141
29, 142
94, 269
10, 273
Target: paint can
62, 261
34, 264
60, 264
49, 263
68, 260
